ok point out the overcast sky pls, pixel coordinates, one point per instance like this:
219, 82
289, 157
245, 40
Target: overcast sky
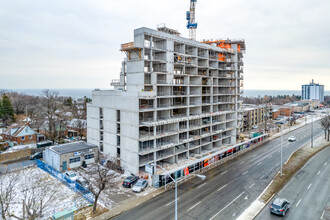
75, 43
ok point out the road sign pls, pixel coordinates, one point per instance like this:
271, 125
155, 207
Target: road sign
149, 169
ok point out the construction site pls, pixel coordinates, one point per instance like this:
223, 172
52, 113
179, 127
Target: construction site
177, 100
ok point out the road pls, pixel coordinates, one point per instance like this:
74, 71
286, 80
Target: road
229, 189
308, 191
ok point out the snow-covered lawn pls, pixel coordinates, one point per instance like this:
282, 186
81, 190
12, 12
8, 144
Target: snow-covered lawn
34, 183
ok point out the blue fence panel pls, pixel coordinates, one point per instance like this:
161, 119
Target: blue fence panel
67, 181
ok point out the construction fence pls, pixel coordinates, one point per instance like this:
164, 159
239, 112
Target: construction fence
76, 187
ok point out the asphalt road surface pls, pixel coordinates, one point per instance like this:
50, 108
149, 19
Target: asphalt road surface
228, 189
308, 191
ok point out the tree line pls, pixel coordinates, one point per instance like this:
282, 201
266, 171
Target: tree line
48, 110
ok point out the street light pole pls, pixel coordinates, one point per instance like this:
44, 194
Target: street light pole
281, 150
312, 133
176, 188
176, 200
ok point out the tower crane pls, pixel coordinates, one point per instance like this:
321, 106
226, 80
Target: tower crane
191, 24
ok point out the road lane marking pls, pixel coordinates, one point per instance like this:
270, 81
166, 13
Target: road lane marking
298, 203
259, 163
325, 163
241, 162
255, 155
245, 173
193, 206
224, 172
251, 185
270, 170
222, 187
261, 177
171, 202
309, 186
270, 156
322, 214
319, 172
277, 164
227, 205
201, 185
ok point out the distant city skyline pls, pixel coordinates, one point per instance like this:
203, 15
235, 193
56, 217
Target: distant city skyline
74, 44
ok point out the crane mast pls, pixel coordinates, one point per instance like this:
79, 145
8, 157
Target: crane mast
191, 24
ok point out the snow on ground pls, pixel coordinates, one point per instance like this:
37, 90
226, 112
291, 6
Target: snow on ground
60, 196
115, 194
20, 147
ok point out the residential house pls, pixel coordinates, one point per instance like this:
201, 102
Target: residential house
21, 134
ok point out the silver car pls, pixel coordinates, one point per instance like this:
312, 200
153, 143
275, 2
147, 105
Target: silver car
140, 185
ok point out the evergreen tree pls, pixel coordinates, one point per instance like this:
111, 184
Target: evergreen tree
7, 110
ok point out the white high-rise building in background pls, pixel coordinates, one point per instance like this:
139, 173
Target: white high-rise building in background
313, 91
177, 99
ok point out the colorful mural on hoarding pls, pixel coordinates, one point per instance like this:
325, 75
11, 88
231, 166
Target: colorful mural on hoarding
205, 162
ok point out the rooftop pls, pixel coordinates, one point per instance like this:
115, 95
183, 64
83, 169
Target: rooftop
72, 147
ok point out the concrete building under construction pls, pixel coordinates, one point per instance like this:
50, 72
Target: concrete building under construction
177, 99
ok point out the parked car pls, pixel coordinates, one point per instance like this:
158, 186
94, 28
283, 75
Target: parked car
130, 181
279, 206
255, 126
292, 139
82, 182
35, 156
71, 176
140, 185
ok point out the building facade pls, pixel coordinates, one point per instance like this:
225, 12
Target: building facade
313, 91
176, 99
69, 156
255, 115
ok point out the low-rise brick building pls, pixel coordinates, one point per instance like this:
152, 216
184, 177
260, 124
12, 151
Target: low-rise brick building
20, 134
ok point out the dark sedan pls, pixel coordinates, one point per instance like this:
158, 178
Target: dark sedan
130, 181
279, 206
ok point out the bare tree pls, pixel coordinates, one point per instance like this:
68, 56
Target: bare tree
102, 178
7, 192
80, 125
37, 196
325, 123
50, 104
